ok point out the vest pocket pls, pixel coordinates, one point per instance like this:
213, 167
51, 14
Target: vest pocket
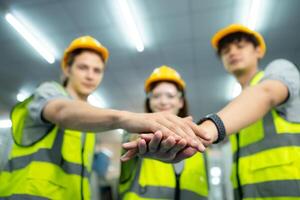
270, 165
272, 158
46, 180
45, 188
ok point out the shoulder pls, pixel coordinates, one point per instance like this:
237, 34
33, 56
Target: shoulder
51, 87
281, 66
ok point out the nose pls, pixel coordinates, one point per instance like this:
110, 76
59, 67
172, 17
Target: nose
163, 100
90, 74
232, 51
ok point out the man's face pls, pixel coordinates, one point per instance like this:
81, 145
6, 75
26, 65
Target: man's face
240, 56
86, 73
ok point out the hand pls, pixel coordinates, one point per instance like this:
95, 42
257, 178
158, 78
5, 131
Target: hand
168, 124
167, 150
208, 127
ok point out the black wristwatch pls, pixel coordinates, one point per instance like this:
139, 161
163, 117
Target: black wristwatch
219, 124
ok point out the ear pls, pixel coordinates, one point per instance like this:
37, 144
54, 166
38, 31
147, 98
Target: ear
181, 103
259, 52
66, 71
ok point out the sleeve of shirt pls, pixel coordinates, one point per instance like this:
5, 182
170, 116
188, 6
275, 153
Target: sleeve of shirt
43, 94
35, 128
287, 73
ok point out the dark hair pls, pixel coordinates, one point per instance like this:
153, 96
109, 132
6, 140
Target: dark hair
71, 57
183, 112
236, 37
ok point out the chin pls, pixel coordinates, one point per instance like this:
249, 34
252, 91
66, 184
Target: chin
236, 69
86, 92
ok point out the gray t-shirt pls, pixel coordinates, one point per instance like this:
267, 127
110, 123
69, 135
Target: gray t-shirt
5, 146
35, 126
286, 72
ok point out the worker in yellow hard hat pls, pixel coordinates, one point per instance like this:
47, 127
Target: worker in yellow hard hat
51, 157
147, 178
265, 118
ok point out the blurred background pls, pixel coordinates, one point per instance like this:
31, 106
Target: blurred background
162, 32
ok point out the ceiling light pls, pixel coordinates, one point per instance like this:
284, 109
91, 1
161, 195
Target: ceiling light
42, 50
5, 123
253, 14
22, 95
215, 172
236, 91
96, 100
215, 180
131, 26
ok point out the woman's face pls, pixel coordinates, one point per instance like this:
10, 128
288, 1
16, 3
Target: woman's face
166, 97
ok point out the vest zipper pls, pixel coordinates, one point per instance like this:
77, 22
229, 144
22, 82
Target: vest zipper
237, 167
177, 188
82, 165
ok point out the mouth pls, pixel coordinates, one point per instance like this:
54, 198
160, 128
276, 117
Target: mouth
164, 109
234, 61
88, 85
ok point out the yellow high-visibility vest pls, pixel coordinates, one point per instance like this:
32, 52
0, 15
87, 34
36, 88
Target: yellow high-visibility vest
266, 158
55, 167
152, 179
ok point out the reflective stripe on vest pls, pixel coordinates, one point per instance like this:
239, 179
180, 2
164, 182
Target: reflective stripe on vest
52, 155
55, 167
266, 156
159, 182
25, 197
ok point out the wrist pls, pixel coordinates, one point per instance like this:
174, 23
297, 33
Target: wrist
211, 128
119, 119
219, 129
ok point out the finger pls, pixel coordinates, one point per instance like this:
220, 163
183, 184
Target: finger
142, 147
167, 144
128, 155
200, 132
147, 137
163, 126
130, 145
178, 147
188, 132
190, 118
174, 124
155, 141
185, 153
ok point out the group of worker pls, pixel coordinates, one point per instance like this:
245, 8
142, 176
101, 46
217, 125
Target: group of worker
53, 130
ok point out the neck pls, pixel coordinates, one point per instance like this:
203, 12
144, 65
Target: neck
75, 94
245, 77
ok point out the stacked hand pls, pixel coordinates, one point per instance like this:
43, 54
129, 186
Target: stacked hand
178, 141
154, 146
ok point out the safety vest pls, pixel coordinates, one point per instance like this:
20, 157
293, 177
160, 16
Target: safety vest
266, 158
152, 179
57, 166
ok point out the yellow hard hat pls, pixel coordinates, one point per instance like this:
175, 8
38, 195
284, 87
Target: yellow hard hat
233, 28
164, 73
85, 42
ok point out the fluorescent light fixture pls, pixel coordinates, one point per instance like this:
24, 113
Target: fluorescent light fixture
237, 89
5, 123
96, 100
215, 172
30, 38
131, 26
22, 95
253, 14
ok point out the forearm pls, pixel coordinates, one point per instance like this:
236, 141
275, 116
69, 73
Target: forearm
81, 116
250, 106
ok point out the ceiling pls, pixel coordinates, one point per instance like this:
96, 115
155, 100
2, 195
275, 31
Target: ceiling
175, 33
